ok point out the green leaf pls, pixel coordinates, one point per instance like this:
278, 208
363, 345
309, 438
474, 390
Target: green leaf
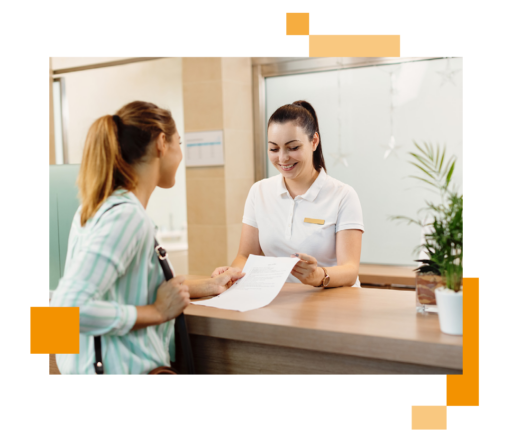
424, 180
421, 149
442, 160
449, 176
424, 170
450, 163
423, 161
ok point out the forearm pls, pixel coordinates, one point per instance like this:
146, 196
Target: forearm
239, 261
201, 288
147, 316
344, 275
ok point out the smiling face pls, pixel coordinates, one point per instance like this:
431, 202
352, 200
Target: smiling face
290, 150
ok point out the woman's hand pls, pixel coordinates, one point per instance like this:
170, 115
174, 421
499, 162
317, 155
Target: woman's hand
220, 283
219, 270
171, 298
307, 270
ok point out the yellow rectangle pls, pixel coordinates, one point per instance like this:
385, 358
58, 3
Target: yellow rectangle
297, 23
354, 45
429, 417
54, 330
314, 221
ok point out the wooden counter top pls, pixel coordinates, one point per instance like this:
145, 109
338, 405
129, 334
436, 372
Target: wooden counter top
361, 322
387, 275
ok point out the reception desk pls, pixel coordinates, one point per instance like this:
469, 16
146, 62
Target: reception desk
324, 331
308, 330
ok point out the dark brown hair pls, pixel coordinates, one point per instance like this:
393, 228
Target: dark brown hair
302, 114
114, 144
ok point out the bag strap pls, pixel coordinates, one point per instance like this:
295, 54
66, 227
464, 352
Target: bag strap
180, 325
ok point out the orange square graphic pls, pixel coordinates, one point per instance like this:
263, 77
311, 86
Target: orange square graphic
297, 24
54, 330
429, 417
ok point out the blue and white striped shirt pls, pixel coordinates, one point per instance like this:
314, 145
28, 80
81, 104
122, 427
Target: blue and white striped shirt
111, 267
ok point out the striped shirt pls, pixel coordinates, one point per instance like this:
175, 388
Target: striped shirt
111, 267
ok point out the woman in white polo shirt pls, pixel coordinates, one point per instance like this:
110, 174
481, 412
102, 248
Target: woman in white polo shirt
303, 211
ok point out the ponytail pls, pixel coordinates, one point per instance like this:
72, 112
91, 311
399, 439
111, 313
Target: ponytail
113, 145
302, 114
102, 168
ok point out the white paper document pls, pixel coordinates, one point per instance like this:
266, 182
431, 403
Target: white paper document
263, 280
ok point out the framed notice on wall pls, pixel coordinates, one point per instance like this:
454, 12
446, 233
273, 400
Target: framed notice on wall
204, 149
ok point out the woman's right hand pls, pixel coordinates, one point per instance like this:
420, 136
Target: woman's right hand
220, 270
172, 297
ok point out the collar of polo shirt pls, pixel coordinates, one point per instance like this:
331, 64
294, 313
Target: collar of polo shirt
311, 193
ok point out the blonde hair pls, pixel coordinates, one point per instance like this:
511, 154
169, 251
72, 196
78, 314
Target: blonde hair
114, 144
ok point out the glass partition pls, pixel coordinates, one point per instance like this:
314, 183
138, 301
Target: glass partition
369, 118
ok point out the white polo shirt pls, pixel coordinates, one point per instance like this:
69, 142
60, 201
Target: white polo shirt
280, 218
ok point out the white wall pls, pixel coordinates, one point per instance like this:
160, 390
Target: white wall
353, 108
97, 92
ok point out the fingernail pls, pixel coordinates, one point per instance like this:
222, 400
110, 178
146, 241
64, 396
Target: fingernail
296, 255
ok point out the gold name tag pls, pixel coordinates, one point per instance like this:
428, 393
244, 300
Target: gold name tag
314, 221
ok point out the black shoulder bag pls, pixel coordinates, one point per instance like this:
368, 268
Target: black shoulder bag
180, 328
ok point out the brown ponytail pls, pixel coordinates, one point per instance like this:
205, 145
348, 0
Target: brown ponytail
113, 145
303, 115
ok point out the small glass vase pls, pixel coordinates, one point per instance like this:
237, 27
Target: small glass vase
426, 285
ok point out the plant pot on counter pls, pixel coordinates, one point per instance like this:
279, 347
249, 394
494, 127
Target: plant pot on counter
426, 285
449, 304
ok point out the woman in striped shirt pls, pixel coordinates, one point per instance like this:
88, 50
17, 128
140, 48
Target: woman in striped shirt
112, 273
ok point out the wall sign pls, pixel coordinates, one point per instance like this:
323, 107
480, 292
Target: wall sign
204, 148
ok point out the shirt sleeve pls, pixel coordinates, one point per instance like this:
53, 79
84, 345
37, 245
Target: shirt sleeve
350, 214
250, 210
113, 243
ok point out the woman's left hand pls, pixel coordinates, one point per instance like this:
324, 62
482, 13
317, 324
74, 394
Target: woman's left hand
307, 270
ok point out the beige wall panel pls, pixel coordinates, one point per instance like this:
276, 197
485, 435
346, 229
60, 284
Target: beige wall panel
201, 69
234, 234
206, 248
206, 201
238, 153
236, 195
237, 103
206, 173
237, 69
202, 104
52, 126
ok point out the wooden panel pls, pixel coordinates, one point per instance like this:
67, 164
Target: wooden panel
387, 275
53, 365
350, 321
224, 356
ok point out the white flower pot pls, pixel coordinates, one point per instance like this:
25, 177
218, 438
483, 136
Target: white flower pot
449, 305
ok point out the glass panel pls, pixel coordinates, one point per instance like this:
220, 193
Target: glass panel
359, 111
63, 205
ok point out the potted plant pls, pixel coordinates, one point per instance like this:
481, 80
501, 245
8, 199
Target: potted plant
443, 222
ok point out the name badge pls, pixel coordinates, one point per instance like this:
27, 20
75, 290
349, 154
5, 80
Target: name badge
315, 221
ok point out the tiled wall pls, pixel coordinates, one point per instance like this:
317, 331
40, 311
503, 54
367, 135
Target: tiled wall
217, 95
52, 134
